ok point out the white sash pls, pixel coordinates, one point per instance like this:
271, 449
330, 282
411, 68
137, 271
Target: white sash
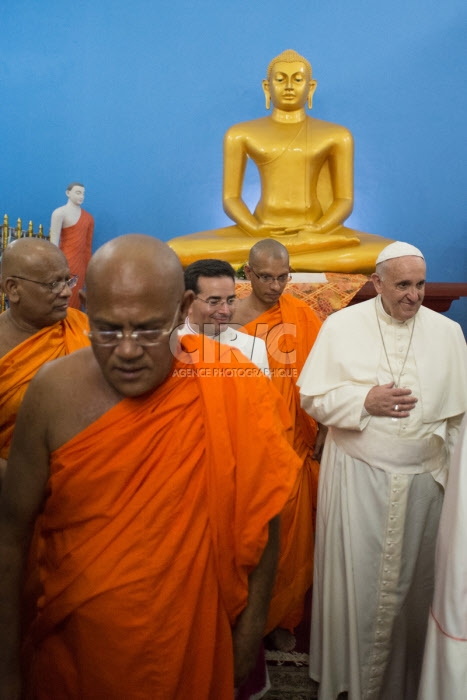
390, 453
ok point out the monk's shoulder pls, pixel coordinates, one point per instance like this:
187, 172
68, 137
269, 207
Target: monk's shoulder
67, 395
79, 318
66, 376
307, 312
289, 299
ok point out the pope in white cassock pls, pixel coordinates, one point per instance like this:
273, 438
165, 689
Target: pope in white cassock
389, 378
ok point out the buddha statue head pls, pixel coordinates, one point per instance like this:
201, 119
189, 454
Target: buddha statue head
289, 82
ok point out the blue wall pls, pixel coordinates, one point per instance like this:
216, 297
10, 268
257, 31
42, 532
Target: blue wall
133, 99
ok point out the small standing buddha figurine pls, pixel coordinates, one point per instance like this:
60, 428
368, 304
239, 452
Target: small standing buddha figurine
71, 229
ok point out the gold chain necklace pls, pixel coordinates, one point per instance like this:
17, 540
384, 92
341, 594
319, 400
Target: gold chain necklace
396, 384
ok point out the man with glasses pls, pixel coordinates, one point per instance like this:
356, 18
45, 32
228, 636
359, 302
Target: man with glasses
289, 328
213, 285
37, 327
157, 498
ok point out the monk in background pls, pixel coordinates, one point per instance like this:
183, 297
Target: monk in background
305, 167
159, 493
71, 228
289, 328
37, 327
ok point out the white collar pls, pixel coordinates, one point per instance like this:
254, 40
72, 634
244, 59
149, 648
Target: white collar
192, 330
387, 318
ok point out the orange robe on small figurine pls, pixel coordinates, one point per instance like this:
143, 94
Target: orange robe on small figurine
19, 366
76, 243
156, 515
289, 329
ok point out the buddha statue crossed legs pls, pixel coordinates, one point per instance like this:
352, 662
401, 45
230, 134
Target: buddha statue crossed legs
305, 167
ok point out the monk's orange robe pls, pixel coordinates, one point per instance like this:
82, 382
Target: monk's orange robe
76, 243
289, 329
156, 514
19, 366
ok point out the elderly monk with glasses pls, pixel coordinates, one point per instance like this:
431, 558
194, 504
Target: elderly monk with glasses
37, 327
156, 496
289, 328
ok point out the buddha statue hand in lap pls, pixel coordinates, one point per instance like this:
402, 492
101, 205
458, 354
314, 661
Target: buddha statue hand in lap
305, 167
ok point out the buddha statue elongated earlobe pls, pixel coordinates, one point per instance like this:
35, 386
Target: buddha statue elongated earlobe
267, 94
311, 92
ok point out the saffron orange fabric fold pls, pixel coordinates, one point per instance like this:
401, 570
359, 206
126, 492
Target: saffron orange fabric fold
76, 244
19, 366
156, 515
289, 329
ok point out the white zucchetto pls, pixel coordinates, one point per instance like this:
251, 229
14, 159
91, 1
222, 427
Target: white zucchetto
398, 250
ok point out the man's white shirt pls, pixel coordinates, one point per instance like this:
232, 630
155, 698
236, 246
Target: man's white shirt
253, 348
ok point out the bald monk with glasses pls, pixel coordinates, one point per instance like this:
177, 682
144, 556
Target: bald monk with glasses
37, 327
156, 502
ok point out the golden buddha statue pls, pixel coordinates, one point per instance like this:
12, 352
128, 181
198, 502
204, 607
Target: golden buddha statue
306, 172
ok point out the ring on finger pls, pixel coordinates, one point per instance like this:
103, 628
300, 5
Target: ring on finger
396, 407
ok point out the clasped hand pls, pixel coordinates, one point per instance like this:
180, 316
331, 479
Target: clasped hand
389, 400
302, 233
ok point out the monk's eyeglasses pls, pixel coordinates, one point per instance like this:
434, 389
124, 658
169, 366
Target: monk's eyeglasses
149, 336
215, 302
269, 279
55, 287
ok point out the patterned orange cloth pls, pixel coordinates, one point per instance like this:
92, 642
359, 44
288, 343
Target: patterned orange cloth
76, 243
289, 330
156, 515
323, 297
19, 366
